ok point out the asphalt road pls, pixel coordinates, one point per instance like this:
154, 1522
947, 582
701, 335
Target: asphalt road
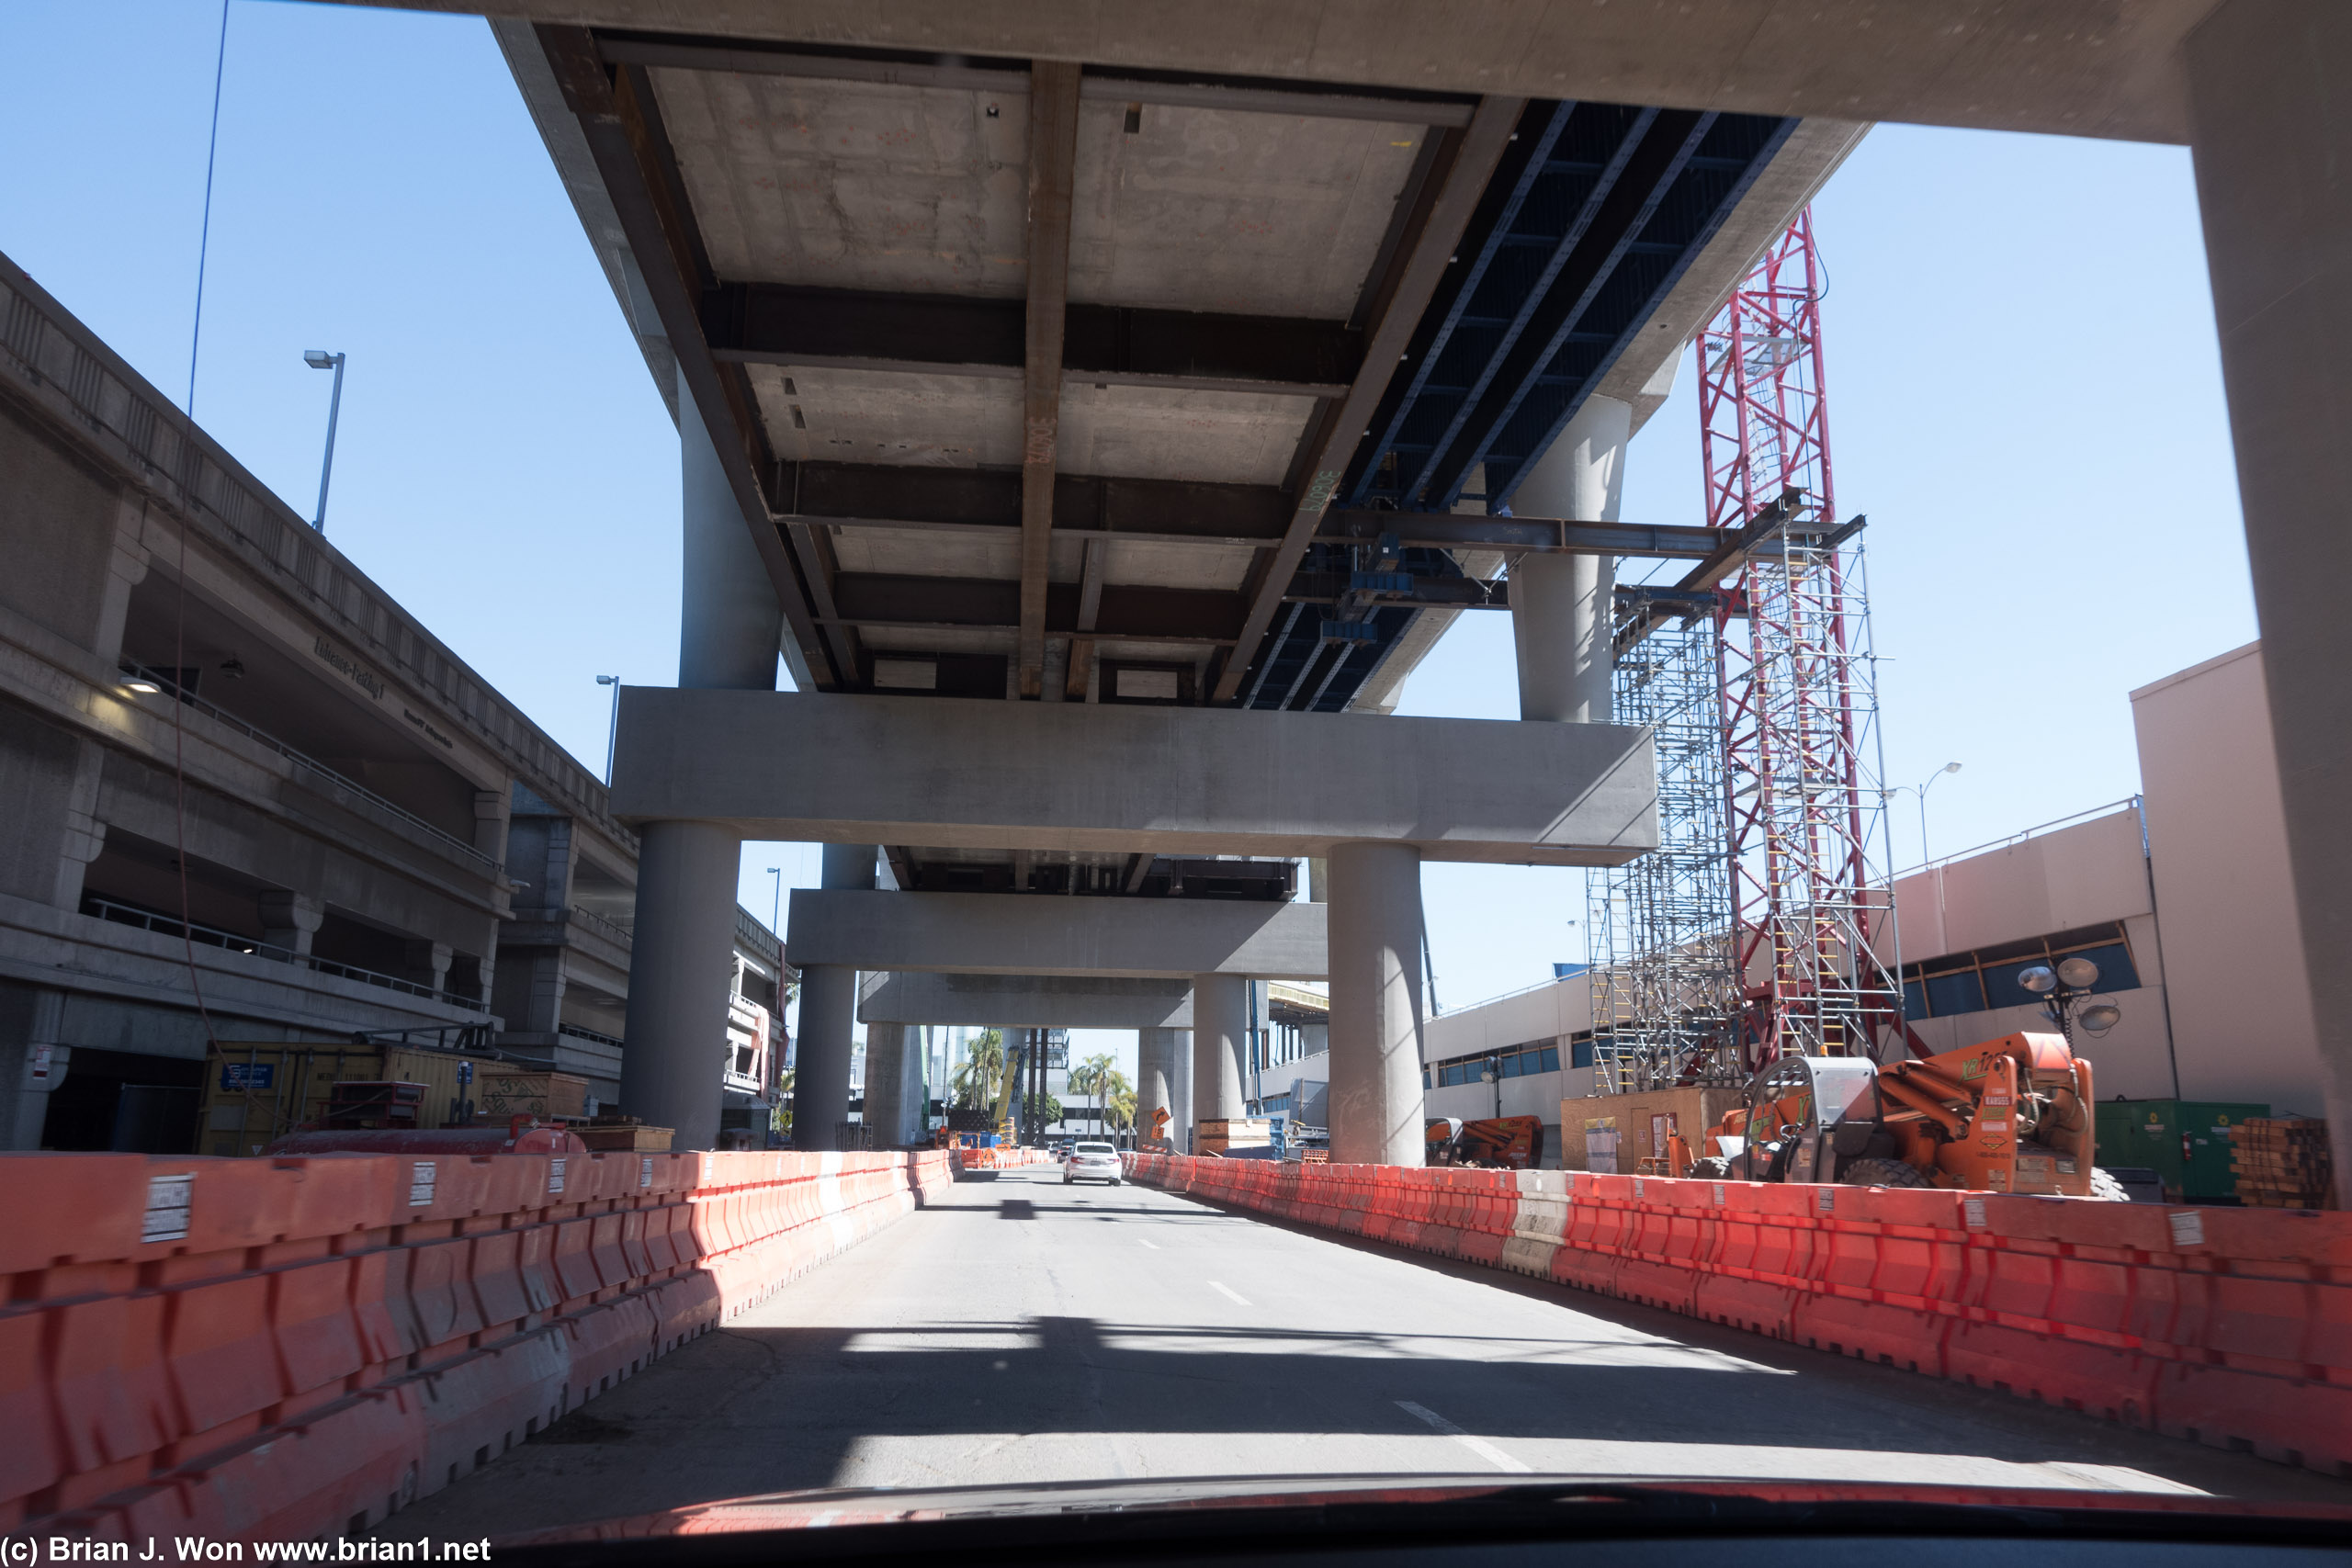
1020, 1330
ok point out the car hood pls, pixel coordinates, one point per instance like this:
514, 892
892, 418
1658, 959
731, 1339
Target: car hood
1577, 1500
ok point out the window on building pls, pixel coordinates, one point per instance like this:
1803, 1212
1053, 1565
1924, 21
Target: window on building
1963, 983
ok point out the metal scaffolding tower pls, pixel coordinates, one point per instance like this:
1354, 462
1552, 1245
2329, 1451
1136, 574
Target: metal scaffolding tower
1799, 704
1665, 991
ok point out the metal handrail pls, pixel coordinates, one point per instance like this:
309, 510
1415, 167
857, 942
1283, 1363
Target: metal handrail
610, 928
212, 936
172, 688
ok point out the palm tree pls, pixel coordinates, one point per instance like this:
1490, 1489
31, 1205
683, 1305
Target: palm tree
1093, 1077
977, 1075
1120, 1102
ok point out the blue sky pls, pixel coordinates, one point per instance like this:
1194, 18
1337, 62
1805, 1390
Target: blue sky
2025, 399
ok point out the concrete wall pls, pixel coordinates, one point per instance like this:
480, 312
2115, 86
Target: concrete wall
2241, 1011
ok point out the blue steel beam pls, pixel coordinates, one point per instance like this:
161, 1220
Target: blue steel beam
1593, 215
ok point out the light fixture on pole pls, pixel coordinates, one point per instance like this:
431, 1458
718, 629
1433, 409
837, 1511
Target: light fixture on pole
612, 726
1920, 792
320, 359
2065, 993
775, 907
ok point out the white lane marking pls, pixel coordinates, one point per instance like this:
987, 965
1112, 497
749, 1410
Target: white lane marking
1154, 1245
1229, 1293
1479, 1446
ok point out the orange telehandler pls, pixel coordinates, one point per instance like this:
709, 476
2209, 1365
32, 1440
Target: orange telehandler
2009, 1115
1499, 1143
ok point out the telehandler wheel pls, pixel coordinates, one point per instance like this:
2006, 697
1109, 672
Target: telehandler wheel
1710, 1168
2104, 1189
1880, 1173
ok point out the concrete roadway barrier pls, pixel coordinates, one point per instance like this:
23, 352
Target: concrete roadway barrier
2228, 1327
274, 1349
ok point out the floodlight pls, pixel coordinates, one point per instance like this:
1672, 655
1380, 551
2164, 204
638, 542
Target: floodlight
2038, 979
318, 358
2100, 1017
2078, 972
145, 688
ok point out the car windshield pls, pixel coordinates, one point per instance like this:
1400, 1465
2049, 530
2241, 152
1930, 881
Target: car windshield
1205, 867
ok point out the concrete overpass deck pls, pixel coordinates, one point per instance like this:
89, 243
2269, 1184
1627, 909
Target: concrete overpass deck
1022, 1331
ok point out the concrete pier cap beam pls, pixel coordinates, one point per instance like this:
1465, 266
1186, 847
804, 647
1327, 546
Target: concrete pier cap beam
1025, 1001
1003, 933
851, 769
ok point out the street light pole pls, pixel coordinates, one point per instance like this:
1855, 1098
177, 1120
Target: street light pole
612, 725
1920, 790
320, 359
776, 908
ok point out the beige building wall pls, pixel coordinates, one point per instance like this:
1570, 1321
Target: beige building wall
2241, 1006
2087, 873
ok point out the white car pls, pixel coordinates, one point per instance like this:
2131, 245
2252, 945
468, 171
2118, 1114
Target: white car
1093, 1162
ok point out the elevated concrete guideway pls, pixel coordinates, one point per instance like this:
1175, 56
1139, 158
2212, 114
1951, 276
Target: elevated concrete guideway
842, 769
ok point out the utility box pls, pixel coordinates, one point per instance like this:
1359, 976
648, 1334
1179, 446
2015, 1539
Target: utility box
2186, 1142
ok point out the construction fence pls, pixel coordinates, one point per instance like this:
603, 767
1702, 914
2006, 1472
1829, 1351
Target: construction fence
2227, 1326
275, 1349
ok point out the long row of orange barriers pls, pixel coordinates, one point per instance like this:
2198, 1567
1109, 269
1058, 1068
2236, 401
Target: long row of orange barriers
2228, 1327
267, 1349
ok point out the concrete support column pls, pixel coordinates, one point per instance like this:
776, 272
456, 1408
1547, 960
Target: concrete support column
32, 1061
1180, 1121
732, 629
1376, 1105
491, 808
1220, 1036
683, 951
1560, 606
679, 967
290, 920
893, 1085
2270, 127
1157, 1054
428, 962
827, 1020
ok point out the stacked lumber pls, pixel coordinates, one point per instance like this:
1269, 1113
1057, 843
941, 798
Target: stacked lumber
2283, 1163
1235, 1132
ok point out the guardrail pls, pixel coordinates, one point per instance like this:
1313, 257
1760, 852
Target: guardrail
274, 1349
210, 936
2228, 1327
